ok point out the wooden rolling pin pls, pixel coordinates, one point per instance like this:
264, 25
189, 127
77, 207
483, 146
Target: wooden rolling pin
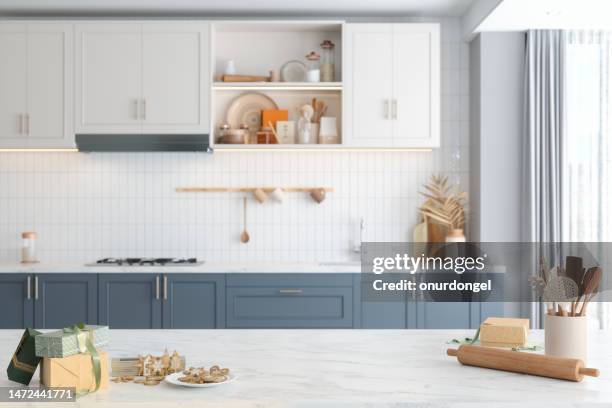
535, 364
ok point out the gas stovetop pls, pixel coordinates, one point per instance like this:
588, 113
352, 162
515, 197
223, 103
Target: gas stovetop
147, 262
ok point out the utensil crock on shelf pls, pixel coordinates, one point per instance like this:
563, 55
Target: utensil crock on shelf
566, 336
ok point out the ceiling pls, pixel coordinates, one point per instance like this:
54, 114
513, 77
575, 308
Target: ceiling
236, 7
519, 15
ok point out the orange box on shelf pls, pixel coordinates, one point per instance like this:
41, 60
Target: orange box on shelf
270, 117
74, 371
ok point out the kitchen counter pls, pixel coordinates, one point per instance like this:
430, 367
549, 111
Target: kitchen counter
207, 267
335, 368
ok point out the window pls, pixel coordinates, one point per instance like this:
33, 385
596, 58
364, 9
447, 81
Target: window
589, 144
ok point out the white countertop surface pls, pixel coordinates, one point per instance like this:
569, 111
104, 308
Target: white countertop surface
206, 267
336, 368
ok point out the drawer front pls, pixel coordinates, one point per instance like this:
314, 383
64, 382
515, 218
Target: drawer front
289, 307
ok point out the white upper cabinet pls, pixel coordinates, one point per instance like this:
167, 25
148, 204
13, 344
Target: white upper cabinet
143, 78
393, 85
36, 85
108, 78
175, 76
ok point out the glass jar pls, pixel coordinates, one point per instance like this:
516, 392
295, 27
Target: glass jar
313, 73
224, 130
28, 247
328, 65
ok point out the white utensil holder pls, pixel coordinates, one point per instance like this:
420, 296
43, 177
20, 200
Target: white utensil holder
566, 336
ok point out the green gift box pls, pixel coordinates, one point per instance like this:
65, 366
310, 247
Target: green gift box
24, 362
65, 342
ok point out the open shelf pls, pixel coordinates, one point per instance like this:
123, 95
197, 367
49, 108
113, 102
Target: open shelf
259, 47
288, 86
221, 146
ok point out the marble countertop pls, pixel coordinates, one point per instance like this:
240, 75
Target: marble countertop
336, 368
206, 267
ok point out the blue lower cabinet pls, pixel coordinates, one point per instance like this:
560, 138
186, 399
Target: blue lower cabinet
61, 300
16, 301
130, 301
384, 312
193, 301
289, 301
443, 315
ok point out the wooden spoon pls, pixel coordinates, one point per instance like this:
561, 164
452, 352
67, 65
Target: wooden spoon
244, 237
591, 287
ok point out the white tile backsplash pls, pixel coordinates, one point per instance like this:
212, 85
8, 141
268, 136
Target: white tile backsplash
88, 206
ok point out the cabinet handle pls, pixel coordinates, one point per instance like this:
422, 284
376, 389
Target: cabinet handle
144, 109
29, 290
157, 287
36, 288
290, 291
386, 108
394, 109
21, 123
27, 130
165, 288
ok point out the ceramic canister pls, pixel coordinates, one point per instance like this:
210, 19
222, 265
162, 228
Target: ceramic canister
566, 336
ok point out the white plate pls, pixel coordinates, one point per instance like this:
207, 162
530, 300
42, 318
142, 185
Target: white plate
293, 71
246, 109
174, 380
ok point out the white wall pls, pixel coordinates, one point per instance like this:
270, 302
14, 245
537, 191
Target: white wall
496, 120
497, 75
88, 206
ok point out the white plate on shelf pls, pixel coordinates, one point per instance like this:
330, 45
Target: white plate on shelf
293, 71
246, 109
174, 380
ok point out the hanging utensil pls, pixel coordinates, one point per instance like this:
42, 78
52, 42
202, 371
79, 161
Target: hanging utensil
244, 237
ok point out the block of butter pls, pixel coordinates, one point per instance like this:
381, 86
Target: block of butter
504, 332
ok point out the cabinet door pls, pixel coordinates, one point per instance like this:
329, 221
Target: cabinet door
444, 315
380, 311
49, 121
16, 301
313, 300
13, 83
108, 78
415, 108
193, 301
62, 300
369, 84
130, 301
175, 77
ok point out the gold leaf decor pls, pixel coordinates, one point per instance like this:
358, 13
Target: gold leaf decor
444, 205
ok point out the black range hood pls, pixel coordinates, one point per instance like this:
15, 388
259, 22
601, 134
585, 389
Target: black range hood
143, 143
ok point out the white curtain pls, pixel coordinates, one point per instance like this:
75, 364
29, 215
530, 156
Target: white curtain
589, 152
545, 147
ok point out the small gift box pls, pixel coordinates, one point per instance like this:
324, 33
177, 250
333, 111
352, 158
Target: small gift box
65, 342
504, 332
24, 361
76, 371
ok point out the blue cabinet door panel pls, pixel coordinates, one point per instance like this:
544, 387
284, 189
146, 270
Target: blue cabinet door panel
194, 301
289, 279
444, 315
130, 301
16, 310
278, 307
65, 299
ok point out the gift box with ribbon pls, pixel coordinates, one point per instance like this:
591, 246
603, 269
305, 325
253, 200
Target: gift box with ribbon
24, 361
70, 340
78, 371
84, 368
